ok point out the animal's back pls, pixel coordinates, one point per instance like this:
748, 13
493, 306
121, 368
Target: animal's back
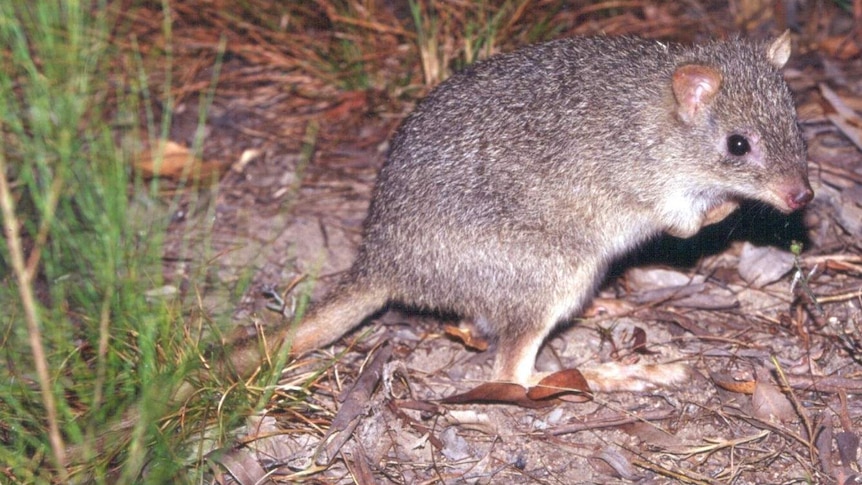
500, 181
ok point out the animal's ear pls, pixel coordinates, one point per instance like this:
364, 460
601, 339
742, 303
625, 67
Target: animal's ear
694, 87
778, 51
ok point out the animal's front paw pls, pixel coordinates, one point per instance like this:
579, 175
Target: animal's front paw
720, 212
687, 227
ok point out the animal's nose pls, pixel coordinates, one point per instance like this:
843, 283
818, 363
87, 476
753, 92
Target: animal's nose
800, 198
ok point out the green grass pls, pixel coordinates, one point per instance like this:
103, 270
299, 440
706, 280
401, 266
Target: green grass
88, 361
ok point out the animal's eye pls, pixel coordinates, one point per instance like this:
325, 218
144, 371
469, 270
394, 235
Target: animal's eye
738, 145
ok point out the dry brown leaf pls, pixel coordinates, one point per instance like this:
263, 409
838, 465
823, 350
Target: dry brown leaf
569, 382
498, 392
620, 464
242, 466
840, 47
176, 162
357, 464
355, 402
768, 402
752, 13
823, 442
396, 408
639, 342
467, 336
763, 265
729, 383
656, 436
848, 447
349, 102
844, 118
247, 157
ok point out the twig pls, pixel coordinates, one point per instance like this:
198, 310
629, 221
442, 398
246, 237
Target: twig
680, 477
611, 422
718, 444
800, 410
851, 295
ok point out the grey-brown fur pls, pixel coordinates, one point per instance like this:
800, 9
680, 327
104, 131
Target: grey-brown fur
511, 188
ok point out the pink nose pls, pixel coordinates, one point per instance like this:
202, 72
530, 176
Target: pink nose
800, 198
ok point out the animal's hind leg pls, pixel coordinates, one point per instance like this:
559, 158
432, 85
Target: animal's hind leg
516, 357
516, 354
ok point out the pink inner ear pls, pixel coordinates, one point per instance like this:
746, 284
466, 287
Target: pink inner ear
702, 90
694, 86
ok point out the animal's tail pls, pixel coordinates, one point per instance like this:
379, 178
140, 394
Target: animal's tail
338, 313
325, 322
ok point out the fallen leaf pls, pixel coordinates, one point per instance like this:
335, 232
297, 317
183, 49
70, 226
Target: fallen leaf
768, 402
695, 295
242, 466
639, 340
500, 393
349, 102
840, 47
729, 383
760, 266
848, 447
467, 336
844, 118
455, 447
655, 436
621, 465
354, 405
643, 279
823, 442
848, 214
176, 162
569, 382
357, 464
246, 158
395, 408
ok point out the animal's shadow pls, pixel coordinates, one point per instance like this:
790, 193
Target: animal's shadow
754, 222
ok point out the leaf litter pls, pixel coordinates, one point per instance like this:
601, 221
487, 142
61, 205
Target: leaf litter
772, 397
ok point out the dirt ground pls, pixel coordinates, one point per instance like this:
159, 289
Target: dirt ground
772, 398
